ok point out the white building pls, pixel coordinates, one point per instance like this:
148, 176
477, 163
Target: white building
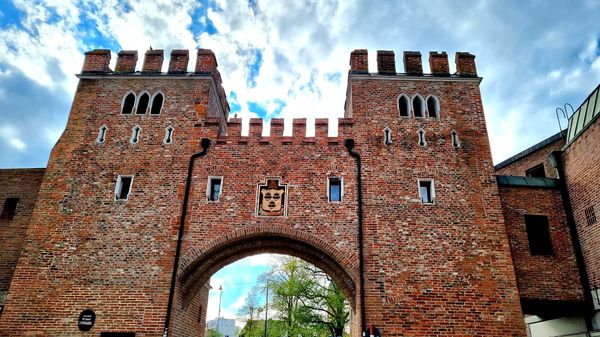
226, 326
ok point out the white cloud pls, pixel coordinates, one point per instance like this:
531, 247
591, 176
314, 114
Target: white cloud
10, 136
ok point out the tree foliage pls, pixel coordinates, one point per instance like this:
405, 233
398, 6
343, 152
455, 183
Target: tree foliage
303, 300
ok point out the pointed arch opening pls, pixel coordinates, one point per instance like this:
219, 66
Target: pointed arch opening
157, 103
418, 106
433, 107
142, 104
128, 103
403, 105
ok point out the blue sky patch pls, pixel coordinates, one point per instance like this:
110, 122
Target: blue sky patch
257, 109
200, 21
11, 15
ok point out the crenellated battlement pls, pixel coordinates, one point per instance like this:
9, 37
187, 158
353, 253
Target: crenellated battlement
413, 66
277, 133
97, 63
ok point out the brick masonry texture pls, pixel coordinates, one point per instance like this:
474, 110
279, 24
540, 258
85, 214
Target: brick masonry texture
22, 184
582, 169
520, 166
430, 270
547, 277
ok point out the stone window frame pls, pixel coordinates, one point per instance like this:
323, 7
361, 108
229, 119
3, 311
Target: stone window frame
408, 105
209, 186
437, 106
135, 135
137, 102
101, 138
421, 136
432, 195
341, 180
454, 139
119, 187
133, 108
151, 105
169, 135
423, 106
387, 136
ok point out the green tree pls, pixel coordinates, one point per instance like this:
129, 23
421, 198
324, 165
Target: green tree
213, 333
306, 300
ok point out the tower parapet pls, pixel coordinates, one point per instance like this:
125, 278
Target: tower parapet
96, 61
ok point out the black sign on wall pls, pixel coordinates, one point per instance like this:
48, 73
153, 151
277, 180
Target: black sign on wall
86, 320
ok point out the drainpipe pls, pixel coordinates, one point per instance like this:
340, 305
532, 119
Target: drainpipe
556, 161
205, 143
349, 143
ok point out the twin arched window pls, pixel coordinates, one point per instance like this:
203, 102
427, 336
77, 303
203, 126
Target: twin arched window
141, 103
420, 107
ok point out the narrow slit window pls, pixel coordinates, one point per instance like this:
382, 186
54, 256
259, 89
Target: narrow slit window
10, 208
143, 104
387, 136
421, 135
433, 107
418, 106
538, 235
426, 192
128, 104
590, 215
213, 191
123, 188
455, 141
135, 134
335, 189
403, 106
101, 134
157, 103
168, 135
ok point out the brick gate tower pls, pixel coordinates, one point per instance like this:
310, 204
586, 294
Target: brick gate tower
152, 188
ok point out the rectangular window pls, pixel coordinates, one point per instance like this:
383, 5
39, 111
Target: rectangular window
538, 235
426, 191
10, 208
536, 171
213, 190
590, 215
335, 189
123, 187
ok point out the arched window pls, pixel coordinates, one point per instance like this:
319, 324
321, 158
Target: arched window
387, 136
422, 141
433, 107
157, 103
403, 106
418, 106
142, 105
101, 134
127, 104
135, 134
168, 135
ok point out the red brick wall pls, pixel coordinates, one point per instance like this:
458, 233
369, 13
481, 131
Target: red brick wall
547, 277
88, 251
22, 184
442, 269
582, 170
531, 160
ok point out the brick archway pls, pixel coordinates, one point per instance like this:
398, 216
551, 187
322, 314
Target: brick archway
199, 263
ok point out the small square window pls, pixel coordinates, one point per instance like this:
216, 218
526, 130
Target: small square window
123, 187
426, 191
335, 189
538, 235
536, 171
10, 208
213, 190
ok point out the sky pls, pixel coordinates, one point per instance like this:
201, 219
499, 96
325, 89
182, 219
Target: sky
290, 59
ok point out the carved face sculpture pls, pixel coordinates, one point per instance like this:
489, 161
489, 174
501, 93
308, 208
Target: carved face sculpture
272, 199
